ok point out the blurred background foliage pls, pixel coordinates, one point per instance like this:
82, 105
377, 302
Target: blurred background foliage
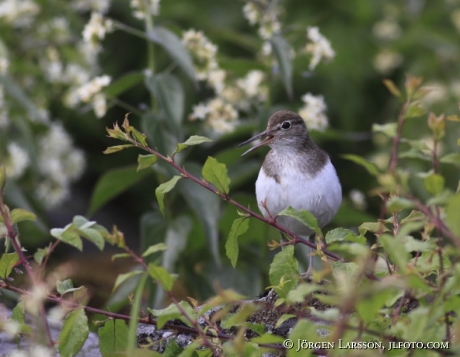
63, 81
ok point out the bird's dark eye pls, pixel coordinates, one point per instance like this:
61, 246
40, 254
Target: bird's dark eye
286, 125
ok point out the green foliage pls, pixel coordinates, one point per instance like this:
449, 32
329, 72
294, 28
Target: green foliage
217, 174
7, 263
302, 216
284, 272
74, 333
163, 189
113, 337
239, 227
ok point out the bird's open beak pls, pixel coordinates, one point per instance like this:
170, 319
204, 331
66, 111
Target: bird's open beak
268, 138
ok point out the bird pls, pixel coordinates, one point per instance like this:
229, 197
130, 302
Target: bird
296, 173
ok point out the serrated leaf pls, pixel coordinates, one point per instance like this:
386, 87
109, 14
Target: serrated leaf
388, 129
116, 148
113, 183
374, 227
370, 167
123, 83
65, 286
340, 235
217, 174
74, 333
163, 189
145, 161
302, 216
284, 274
173, 45
159, 247
452, 214
169, 92
113, 337
452, 158
239, 227
40, 254
282, 50
19, 215
392, 87
434, 183
123, 277
162, 276
7, 263
193, 140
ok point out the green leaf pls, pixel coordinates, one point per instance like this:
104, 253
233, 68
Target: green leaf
369, 306
172, 349
342, 234
414, 110
302, 216
146, 161
370, 167
7, 263
170, 95
301, 291
19, 215
120, 255
217, 174
155, 248
392, 87
434, 183
304, 330
172, 312
283, 319
395, 250
68, 235
2, 178
452, 214
114, 182
162, 276
388, 129
123, 277
93, 236
134, 315
123, 83
116, 148
282, 50
193, 140
19, 313
163, 189
374, 227
239, 227
173, 45
284, 274
65, 286
113, 337
74, 333
451, 158
40, 254
206, 206
396, 204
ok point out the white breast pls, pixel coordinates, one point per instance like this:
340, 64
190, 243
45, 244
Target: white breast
321, 195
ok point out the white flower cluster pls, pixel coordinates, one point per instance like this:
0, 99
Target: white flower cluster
59, 163
17, 160
33, 351
203, 53
19, 13
264, 14
143, 8
358, 199
313, 112
318, 47
92, 92
96, 29
387, 60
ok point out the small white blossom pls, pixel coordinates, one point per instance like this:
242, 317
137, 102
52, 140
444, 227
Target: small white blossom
264, 14
19, 13
18, 160
220, 117
34, 300
51, 193
4, 64
252, 13
200, 111
203, 53
313, 112
99, 105
12, 327
96, 28
387, 60
358, 199
252, 85
319, 47
75, 74
90, 89
216, 80
437, 92
141, 8
387, 29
